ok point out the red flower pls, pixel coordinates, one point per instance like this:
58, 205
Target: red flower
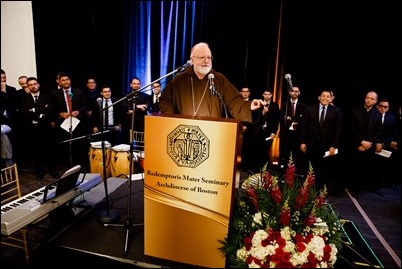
300, 247
266, 180
327, 252
310, 220
290, 174
311, 258
247, 242
253, 196
301, 198
276, 195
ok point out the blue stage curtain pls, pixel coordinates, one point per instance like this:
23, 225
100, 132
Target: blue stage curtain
160, 35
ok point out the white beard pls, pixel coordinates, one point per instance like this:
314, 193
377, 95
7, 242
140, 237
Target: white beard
203, 70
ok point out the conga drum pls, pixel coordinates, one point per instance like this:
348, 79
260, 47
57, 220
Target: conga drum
96, 158
120, 163
139, 157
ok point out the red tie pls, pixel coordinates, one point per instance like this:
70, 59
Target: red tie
69, 103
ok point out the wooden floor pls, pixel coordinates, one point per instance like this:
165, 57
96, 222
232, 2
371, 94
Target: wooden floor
376, 220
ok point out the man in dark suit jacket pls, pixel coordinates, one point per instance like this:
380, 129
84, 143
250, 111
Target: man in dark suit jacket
78, 151
8, 110
264, 128
291, 120
36, 108
142, 103
365, 126
156, 94
395, 146
320, 133
387, 135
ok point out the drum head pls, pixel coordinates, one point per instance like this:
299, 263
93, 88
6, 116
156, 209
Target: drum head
121, 147
98, 144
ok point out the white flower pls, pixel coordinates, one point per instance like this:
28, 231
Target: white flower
316, 246
242, 254
286, 233
257, 219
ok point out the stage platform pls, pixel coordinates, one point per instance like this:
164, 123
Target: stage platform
121, 243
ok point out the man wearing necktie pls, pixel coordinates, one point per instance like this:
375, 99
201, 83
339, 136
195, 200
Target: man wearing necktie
290, 129
70, 101
387, 135
263, 131
320, 133
111, 115
156, 93
36, 108
106, 123
322, 115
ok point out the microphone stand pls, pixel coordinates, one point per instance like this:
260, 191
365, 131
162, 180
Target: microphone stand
81, 137
130, 95
106, 216
71, 142
129, 223
286, 107
285, 122
220, 98
133, 97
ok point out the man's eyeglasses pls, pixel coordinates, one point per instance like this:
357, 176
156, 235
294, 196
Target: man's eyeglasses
209, 58
383, 106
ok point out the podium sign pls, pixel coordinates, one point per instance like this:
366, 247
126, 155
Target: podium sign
190, 167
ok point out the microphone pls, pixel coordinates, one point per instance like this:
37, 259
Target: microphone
212, 84
99, 101
288, 78
184, 66
112, 128
70, 93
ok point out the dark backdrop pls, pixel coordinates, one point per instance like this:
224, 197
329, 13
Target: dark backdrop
349, 48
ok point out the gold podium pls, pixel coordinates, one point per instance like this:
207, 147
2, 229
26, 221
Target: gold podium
190, 175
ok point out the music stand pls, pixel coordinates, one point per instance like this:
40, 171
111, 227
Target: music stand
133, 98
106, 216
71, 142
67, 182
70, 130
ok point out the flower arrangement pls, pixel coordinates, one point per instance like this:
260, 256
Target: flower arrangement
279, 221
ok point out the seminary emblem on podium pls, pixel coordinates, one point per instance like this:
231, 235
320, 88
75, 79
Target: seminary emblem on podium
188, 146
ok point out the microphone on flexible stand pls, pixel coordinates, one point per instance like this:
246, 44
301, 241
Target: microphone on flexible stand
288, 78
214, 92
185, 66
99, 101
112, 128
212, 84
